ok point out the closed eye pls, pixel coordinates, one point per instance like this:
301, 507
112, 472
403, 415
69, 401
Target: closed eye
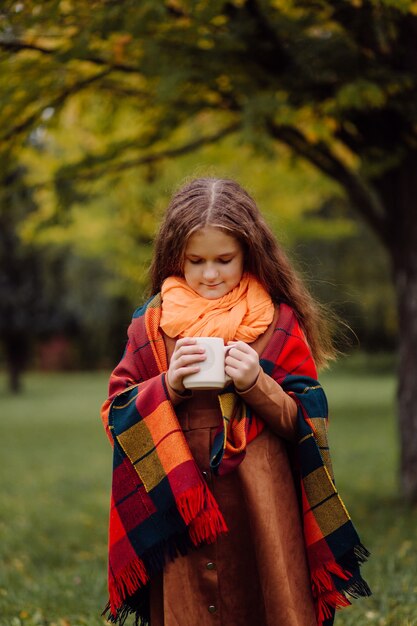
199, 261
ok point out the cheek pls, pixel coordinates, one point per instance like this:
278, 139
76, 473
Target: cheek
236, 272
190, 271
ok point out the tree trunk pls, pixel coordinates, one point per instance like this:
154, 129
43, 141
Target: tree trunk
16, 350
398, 188
406, 284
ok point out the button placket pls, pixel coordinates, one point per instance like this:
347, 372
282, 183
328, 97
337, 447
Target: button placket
208, 563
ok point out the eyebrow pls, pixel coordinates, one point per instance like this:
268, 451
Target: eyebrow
199, 256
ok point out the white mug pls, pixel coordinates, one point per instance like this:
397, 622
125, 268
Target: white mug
211, 374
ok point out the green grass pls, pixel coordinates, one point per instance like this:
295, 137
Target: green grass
54, 503
55, 468
363, 438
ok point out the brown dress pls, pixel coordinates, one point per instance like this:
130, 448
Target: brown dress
256, 574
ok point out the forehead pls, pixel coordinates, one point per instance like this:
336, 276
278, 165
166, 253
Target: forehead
211, 241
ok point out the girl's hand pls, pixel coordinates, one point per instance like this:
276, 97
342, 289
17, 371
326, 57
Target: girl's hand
184, 361
242, 364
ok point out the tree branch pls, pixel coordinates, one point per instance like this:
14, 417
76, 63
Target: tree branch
70, 173
360, 193
17, 45
56, 102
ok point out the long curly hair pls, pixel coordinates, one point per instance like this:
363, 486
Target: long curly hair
224, 204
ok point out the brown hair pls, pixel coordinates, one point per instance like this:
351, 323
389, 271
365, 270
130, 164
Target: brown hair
225, 204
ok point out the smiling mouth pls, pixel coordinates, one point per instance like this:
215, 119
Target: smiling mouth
216, 285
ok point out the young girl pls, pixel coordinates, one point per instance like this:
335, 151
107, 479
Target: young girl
224, 510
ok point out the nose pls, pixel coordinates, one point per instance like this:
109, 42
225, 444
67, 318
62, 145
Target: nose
210, 273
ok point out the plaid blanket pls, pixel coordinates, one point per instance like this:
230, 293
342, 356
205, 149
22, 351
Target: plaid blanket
161, 506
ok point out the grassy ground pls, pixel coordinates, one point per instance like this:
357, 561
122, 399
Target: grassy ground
55, 483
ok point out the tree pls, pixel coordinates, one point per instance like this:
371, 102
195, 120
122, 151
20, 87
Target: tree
17, 280
30, 280
336, 82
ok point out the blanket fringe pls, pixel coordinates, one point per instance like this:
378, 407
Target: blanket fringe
155, 558
327, 596
206, 527
190, 503
122, 614
328, 603
201, 513
133, 576
322, 580
361, 553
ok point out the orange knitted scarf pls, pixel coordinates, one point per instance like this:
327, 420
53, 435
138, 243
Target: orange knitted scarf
242, 314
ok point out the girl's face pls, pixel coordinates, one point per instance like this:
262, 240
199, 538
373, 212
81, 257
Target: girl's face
213, 263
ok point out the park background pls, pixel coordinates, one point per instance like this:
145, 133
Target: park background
105, 109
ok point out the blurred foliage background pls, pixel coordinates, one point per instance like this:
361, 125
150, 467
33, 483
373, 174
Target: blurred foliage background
79, 276
107, 107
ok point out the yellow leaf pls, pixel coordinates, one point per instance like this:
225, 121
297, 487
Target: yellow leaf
224, 83
205, 44
18, 564
219, 20
119, 46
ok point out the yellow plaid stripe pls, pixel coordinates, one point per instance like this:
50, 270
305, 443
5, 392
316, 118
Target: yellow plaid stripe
227, 404
139, 442
123, 406
318, 486
234, 429
319, 425
306, 389
329, 516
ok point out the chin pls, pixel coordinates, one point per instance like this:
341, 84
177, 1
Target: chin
211, 294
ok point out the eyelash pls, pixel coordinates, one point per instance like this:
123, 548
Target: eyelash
201, 261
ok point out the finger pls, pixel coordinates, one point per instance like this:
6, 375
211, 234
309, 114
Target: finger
239, 344
231, 371
188, 359
241, 356
233, 361
189, 349
240, 347
185, 341
187, 345
241, 366
195, 352
175, 377
187, 370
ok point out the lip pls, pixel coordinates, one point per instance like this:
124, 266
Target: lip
216, 285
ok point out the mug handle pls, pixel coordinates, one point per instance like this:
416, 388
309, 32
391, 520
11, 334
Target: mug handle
227, 377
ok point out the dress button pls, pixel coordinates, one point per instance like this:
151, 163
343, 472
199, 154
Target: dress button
210, 565
212, 608
205, 474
